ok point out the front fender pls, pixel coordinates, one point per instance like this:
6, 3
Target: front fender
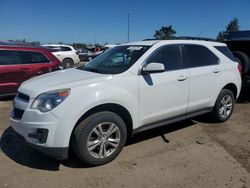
123, 92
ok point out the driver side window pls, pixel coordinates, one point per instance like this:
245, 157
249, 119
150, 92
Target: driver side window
169, 55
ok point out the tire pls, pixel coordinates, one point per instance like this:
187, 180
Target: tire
244, 61
224, 106
94, 148
90, 58
68, 63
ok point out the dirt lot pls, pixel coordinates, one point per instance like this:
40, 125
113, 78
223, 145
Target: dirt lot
195, 153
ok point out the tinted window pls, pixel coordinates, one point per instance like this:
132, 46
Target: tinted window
169, 55
65, 49
10, 57
33, 58
198, 56
225, 50
53, 48
84, 51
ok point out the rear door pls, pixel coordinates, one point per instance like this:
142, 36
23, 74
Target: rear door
56, 51
204, 69
12, 71
39, 63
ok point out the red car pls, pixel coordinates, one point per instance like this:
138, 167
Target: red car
21, 62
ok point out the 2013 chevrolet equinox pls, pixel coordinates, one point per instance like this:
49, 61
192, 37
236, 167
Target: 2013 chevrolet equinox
130, 88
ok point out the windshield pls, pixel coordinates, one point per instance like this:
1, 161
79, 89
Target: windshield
115, 60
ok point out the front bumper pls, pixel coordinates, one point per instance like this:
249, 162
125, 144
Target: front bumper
43, 131
55, 153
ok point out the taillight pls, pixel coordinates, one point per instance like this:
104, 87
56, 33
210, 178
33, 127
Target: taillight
240, 68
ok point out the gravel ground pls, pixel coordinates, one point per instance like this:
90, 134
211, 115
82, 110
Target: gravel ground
192, 153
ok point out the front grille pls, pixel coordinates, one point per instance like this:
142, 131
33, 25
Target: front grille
23, 97
17, 113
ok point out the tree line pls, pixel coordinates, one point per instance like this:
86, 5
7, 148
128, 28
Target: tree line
168, 32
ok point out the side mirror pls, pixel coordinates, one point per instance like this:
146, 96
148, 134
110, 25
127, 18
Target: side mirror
153, 68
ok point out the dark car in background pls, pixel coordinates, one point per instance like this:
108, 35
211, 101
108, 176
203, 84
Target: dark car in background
239, 43
19, 62
86, 54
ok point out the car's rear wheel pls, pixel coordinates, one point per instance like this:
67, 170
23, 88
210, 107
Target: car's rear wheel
224, 106
99, 138
68, 63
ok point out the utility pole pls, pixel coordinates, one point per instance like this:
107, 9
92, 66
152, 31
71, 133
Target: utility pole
128, 26
95, 37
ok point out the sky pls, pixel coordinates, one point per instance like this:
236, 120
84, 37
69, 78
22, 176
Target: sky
106, 21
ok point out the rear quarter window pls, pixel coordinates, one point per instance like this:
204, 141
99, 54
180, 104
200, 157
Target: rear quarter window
65, 49
225, 50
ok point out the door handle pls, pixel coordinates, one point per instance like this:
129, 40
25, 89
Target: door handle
216, 70
182, 78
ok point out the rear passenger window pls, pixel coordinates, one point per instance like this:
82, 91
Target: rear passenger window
65, 49
53, 49
8, 57
34, 58
198, 56
169, 55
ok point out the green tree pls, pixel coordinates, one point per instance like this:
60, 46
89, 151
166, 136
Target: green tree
165, 33
231, 27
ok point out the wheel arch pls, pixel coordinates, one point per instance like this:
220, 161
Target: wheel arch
232, 87
68, 58
112, 107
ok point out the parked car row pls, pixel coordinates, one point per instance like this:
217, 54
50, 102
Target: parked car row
19, 62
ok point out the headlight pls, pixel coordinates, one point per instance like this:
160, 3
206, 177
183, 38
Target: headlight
49, 100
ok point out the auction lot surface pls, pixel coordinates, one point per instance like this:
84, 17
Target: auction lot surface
197, 153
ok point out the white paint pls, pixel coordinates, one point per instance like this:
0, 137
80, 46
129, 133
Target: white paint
167, 95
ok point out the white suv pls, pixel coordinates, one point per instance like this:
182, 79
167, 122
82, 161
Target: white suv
65, 53
130, 88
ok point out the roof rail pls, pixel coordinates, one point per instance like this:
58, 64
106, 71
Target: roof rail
237, 35
195, 38
187, 38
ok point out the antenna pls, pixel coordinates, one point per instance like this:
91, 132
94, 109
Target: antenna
200, 33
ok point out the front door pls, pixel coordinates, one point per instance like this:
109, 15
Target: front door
163, 96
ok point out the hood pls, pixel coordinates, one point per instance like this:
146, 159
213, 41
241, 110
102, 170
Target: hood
63, 79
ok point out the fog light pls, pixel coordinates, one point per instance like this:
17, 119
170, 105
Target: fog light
40, 134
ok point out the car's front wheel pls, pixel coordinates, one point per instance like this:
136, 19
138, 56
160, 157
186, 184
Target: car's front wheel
99, 138
224, 106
